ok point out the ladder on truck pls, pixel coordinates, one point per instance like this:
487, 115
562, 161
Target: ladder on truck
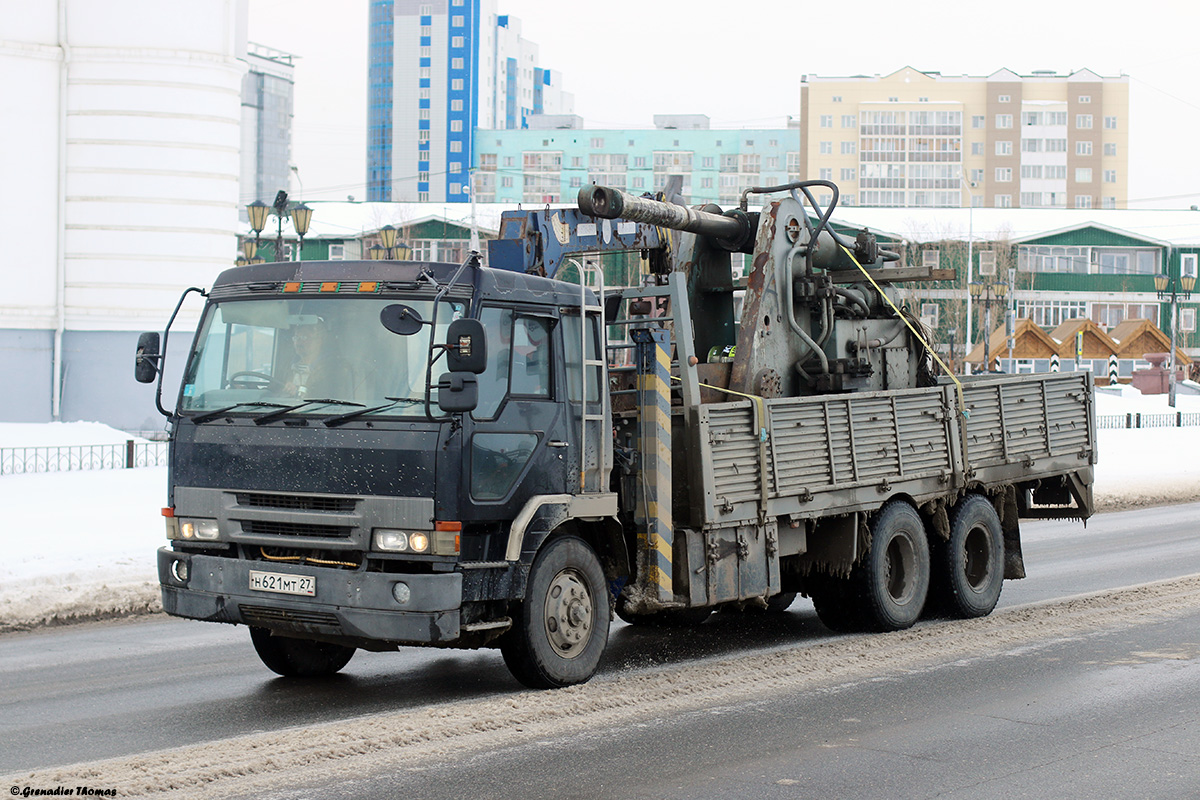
585, 364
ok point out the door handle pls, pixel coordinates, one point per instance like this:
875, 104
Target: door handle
556, 443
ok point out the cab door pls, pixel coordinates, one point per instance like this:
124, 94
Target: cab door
519, 439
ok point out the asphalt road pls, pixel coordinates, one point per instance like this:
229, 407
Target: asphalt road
102, 690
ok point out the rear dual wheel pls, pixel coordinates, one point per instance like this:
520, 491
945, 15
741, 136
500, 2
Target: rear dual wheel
969, 566
886, 590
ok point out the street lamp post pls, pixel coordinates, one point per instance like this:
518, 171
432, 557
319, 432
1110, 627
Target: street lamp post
301, 216
987, 293
281, 209
257, 211
970, 258
1165, 287
387, 237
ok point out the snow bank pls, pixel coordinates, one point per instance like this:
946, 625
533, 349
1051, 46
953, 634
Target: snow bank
60, 434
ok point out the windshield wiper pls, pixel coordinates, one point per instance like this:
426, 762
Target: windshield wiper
333, 422
211, 415
285, 410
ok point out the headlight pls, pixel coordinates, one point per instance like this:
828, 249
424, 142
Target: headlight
199, 529
400, 541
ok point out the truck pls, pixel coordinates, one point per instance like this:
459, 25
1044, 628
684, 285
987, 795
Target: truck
378, 454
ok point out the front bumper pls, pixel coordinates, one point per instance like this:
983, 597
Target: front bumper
347, 605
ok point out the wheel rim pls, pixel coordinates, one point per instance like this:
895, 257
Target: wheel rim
977, 557
901, 580
568, 618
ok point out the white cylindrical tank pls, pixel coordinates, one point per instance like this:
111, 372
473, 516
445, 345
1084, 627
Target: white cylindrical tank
121, 141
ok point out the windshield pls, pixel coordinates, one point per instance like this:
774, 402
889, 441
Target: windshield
302, 351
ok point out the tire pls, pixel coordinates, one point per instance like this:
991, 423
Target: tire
780, 602
561, 628
892, 580
299, 658
837, 606
969, 566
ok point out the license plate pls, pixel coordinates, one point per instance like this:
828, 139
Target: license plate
283, 584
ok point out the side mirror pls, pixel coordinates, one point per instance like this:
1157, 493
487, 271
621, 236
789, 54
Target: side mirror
400, 319
458, 392
466, 346
145, 363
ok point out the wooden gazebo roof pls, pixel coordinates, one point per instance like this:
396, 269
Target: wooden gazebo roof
1136, 337
1096, 343
1029, 341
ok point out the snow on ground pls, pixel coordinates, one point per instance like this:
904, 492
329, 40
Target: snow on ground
82, 544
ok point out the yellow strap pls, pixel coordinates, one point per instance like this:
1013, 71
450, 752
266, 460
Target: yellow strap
962, 404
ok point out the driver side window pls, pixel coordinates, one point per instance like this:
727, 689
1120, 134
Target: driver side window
493, 382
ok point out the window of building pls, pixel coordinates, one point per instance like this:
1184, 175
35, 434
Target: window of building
706, 183
1110, 123
931, 258
930, 314
597, 142
1085, 98
456, 41
793, 164
1003, 175
976, 176
422, 197
826, 173
827, 120
456, 125
639, 183
1004, 148
423, 113
749, 143
1004, 120
456, 105
1110, 176
456, 147
1083, 148
987, 262
849, 121
1083, 175
1056, 145
977, 121
456, 63
423, 176
1055, 172
1187, 319
837, 98
826, 148
848, 173
1108, 202
337, 252
1002, 201
639, 162
1110, 149
976, 148
456, 21
772, 162
576, 181
1031, 118
1004, 98
1051, 313
1031, 145
423, 136
1083, 121
893, 99
1083, 201
506, 181
1032, 171
1187, 265
849, 148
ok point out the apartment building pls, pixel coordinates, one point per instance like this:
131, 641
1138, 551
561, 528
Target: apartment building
923, 139
550, 161
438, 70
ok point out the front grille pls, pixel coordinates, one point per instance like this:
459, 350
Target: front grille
286, 618
296, 502
274, 528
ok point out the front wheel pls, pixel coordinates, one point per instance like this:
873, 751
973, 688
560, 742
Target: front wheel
562, 625
299, 658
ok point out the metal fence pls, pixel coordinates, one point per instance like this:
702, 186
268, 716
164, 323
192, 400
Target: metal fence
69, 458
1175, 420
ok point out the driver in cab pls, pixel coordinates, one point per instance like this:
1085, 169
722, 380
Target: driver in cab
316, 371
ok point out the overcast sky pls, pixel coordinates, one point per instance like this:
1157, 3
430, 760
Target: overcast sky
626, 60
